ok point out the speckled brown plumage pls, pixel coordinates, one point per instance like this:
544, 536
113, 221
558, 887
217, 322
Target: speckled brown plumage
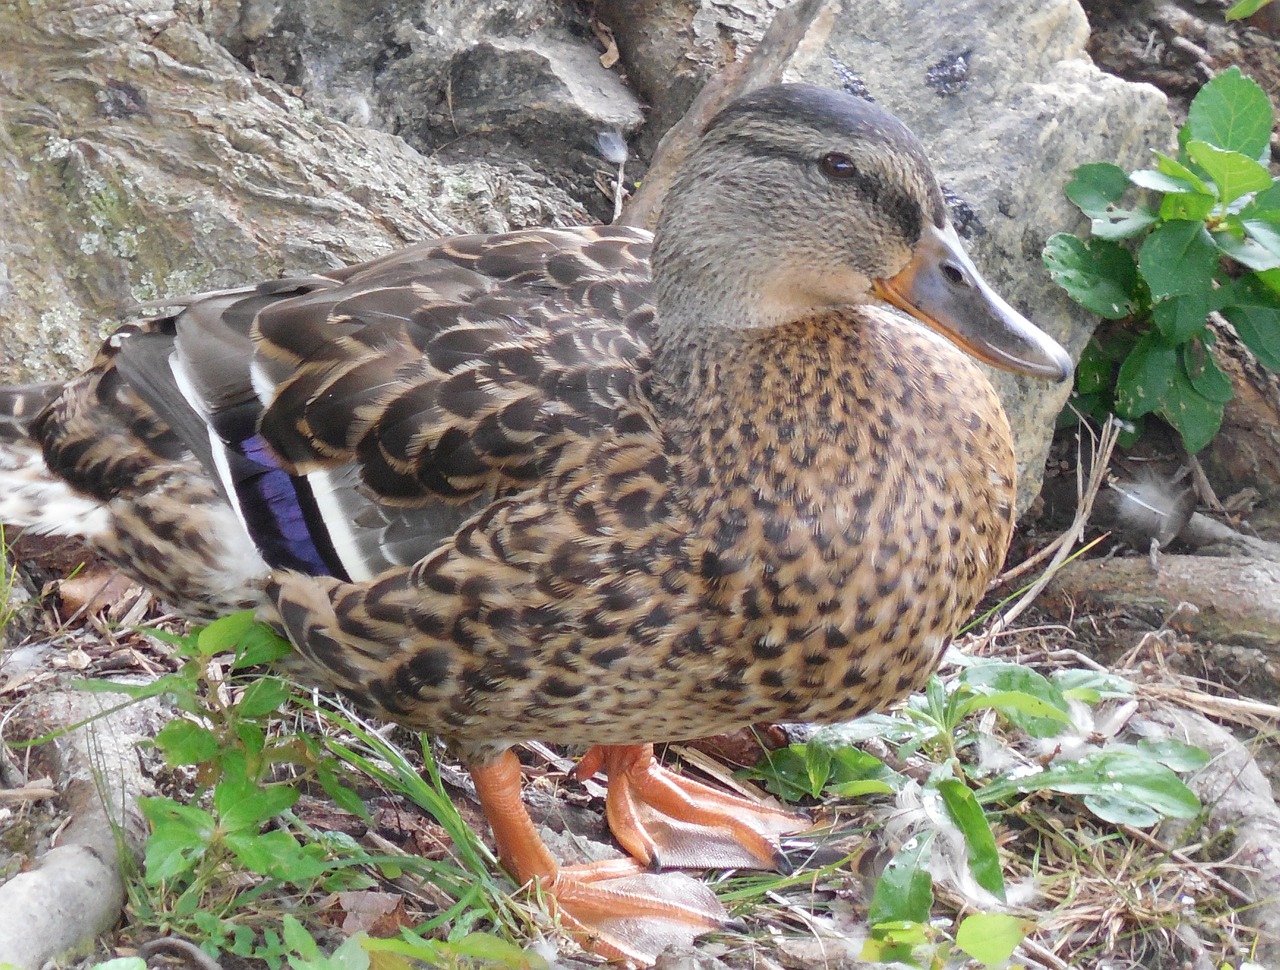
743, 563
587, 486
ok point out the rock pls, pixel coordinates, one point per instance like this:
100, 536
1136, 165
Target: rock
1005, 99
143, 161
1230, 607
671, 50
1008, 105
515, 79
1242, 823
151, 163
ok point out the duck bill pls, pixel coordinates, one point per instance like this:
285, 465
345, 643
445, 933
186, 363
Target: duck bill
942, 288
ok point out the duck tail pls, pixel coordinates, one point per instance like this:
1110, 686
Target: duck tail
32, 497
19, 405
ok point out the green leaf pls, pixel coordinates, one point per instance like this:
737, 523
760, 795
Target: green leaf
1145, 376
260, 644
1253, 246
1171, 176
1095, 189
1254, 310
262, 697
1267, 201
178, 684
785, 772
1090, 686
1181, 317
223, 635
1121, 809
1264, 229
991, 938
984, 859
1013, 704
1098, 274
487, 949
1174, 754
186, 743
1233, 173
894, 942
904, 892
1233, 113
1117, 780
298, 939
1095, 371
180, 835
1204, 373
1269, 281
1195, 208
1194, 416
860, 789
1178, 259
1245, 8
1252, 238
344, 797
276, 854
1020, 694
243, 806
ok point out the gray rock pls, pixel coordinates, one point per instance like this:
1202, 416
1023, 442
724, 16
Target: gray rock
517, 79
1007, 103
150, 162
1003, 96
141, 161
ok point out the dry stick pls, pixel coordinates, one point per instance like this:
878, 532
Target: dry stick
1088, 493
1180, 857
1043, 954
1103, 447
1250, 713
799, 29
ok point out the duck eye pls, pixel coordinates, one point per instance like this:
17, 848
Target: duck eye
837, 165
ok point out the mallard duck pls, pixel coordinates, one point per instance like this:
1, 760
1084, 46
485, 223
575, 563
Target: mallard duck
588, 485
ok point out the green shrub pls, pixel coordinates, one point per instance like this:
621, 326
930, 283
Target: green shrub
1204, 236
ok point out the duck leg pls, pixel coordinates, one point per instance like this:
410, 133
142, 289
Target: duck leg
665, 819
614, 907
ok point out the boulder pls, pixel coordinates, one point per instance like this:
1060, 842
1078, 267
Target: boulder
146, 160
141, 161
517, 80
1005, 99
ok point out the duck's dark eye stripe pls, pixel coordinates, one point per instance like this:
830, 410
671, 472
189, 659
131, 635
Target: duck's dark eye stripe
837, 165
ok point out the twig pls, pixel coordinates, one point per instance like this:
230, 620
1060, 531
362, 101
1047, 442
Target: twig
1180, 857
1043, 954
803, 26
1088, 493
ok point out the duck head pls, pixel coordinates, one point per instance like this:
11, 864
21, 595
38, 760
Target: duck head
799, 200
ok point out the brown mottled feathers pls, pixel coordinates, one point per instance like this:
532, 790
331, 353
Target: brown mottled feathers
719, 590
564, 514
458, 368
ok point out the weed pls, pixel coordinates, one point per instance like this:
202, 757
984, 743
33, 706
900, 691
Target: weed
1210, 243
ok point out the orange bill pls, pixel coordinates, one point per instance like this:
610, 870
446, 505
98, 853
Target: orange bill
942, 288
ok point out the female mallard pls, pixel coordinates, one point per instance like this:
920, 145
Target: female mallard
505, 487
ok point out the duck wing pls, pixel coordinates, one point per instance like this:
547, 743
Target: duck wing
355, 419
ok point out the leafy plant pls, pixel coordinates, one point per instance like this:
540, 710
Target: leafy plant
216, 865
1245, 8
1120, 783
1204, 237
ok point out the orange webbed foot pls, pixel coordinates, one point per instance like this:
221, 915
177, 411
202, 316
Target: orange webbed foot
624, 913
614, 907
665, 819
